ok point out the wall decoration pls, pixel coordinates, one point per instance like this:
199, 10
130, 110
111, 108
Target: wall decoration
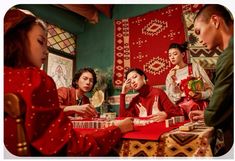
61, 40
143, 41
60, 69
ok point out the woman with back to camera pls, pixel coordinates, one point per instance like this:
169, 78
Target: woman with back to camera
179, 76
48, 130
73, 99
150, 102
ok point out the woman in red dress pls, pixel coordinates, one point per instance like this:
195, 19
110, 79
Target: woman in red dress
48, 129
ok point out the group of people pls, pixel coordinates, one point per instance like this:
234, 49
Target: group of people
47, 109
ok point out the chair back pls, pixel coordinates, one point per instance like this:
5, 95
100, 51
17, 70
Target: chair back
13, 107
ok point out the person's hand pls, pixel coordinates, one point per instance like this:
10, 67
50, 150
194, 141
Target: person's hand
86, 110
196, 95
126, 125
126, 86
158, 117
172, 73
196, 115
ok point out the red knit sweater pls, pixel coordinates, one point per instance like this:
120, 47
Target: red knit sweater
146, 97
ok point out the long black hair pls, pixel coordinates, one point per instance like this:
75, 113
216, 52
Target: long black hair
80, 72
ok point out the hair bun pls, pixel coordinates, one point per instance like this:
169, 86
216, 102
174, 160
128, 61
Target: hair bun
184, 45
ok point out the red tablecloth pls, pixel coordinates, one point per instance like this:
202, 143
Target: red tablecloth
151, 131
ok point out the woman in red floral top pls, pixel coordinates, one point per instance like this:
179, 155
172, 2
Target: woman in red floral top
47, 128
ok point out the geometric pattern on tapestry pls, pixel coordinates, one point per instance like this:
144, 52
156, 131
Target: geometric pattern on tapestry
61, 40
205, 62
143, 148
198, 53
157, 65
183, 139
143, 41
208, 63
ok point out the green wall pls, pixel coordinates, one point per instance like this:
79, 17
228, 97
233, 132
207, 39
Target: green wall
66, 20
96, 43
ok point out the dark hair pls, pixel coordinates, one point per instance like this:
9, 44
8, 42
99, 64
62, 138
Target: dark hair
16, 42
208, 10
80, 72
137, 70
182, 47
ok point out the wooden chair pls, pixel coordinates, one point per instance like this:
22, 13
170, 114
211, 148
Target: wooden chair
13, 107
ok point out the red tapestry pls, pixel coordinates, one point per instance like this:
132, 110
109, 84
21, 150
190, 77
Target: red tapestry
143, 41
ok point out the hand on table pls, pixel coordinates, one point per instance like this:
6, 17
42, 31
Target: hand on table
196, 115
126, 125
86, 110
158, 117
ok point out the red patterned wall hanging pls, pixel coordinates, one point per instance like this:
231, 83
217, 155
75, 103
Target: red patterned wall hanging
143, 41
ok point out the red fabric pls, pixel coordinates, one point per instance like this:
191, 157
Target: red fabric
143, 41
188, 103
67, 97
150, 132
48, 130
14, 17
146, 97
